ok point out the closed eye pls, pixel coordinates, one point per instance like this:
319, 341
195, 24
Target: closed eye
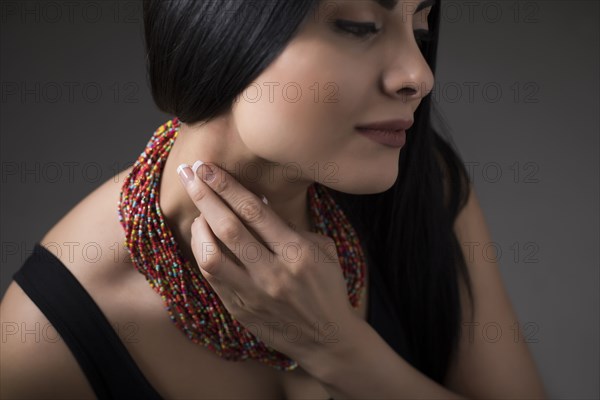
356, 29
364, 29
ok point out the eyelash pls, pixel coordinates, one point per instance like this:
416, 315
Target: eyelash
366, 29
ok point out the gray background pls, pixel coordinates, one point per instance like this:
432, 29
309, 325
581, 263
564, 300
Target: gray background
517, 84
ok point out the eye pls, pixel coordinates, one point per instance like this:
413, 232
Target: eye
357, 29
423, 36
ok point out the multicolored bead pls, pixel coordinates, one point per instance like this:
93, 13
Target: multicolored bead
189, 299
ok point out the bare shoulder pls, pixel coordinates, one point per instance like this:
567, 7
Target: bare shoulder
502, 363
34, 360
89, 238
86, 241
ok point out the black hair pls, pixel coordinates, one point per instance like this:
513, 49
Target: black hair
202, 54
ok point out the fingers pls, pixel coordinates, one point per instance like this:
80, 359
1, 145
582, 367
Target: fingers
224, 223
249, 208
220, 271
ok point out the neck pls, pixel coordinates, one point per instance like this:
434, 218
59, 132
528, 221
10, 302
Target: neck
218, 142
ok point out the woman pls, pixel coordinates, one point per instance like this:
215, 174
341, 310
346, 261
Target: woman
321, 109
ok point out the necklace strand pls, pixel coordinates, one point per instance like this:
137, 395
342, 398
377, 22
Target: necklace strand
189, 299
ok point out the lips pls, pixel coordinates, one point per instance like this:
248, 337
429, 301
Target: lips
394, 125
387, 138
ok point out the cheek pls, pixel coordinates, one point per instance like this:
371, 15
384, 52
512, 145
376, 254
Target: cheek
271, 120
303, 108
294, 104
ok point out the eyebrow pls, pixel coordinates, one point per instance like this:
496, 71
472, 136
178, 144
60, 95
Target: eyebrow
391, 4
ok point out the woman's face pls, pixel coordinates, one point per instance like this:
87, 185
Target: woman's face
303, 109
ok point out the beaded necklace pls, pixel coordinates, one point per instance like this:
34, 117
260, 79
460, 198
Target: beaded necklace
191, 302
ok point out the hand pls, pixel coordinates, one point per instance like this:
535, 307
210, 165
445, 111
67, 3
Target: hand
285, 286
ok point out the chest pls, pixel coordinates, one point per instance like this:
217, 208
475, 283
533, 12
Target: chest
186, 369
174, 365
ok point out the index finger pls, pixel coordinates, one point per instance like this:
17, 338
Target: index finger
251, 210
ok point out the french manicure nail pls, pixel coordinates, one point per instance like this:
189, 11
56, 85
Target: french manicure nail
196, 165
184, 173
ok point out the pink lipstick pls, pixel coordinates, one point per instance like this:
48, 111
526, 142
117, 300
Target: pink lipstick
390, 133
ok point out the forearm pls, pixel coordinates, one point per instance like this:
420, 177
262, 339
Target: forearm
362, 365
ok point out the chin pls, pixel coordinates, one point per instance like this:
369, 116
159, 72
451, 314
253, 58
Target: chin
366, 186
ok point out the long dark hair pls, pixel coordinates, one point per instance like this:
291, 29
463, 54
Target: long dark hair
202, 54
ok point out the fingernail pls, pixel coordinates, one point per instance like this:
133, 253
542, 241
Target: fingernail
206, 173
185, 174
264, 199
196, 165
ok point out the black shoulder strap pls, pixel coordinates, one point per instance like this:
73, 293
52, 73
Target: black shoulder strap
103, 358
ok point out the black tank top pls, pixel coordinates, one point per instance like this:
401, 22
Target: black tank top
104, 359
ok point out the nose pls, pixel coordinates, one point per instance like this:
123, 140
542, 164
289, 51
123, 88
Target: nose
408, 75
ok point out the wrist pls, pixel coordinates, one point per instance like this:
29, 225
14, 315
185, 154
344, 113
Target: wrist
334, 346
